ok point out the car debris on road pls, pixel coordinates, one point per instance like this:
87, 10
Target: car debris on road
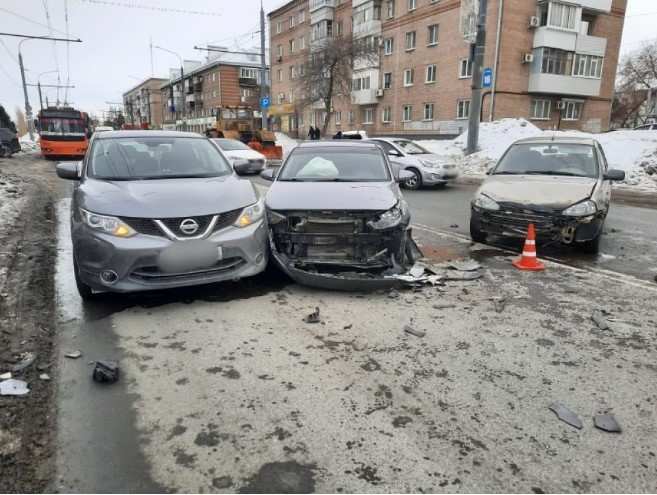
600, 320
312, 317
26, 360
607, 422
418, 333
566, 415
73, 354
13, 387
105, 372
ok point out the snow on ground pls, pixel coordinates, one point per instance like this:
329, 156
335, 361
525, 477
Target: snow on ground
635, 152
28, 145
286, 142
11, 200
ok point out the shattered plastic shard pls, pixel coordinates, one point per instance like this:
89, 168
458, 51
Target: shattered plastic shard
465, 266
312, 317
28, 359
607, 422
600, 320
462, 275
13, 387
566, 415
413, 331
73, 355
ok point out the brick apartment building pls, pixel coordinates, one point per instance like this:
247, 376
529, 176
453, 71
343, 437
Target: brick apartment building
555, 63
143, 104
225, 88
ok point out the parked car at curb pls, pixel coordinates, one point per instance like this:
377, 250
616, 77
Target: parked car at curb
9, 143
647, 127
237, 150
161, 209
560, 184
427, 168
337, 218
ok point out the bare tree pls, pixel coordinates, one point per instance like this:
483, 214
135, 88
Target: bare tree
327, 72
21, 122
637, 78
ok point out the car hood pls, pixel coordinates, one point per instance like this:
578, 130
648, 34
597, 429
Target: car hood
534, 190
379, 196
165, 198
244, 155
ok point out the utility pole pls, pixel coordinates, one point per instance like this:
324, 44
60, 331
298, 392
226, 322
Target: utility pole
263, 67
477, 66
182, 82
28, 108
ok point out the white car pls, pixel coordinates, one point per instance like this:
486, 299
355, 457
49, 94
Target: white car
103, 128
237, 150
428, 169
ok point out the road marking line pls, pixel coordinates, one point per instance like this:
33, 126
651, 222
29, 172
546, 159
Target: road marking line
601, 272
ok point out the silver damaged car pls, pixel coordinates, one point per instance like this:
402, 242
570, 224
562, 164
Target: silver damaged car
158, 209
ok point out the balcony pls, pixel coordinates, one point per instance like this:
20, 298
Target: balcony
591, 45
364, 97
248, 82
367, 28
319, 4
570, 41
563, 85
600, 5
323, 14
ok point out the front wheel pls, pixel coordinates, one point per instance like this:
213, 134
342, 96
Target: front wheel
415, 182
476, 233
86, 293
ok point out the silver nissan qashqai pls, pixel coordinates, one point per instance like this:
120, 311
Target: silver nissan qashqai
161, 209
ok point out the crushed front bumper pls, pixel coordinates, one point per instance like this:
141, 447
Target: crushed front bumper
137, 261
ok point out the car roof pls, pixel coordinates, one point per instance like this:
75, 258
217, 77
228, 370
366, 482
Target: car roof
557, 140
337, 143
154, 134
385, 138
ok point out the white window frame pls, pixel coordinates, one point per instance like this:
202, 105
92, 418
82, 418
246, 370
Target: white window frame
293, 44
410, 35
368, 112
567, 14
465, 63
569, 110
281, 98
302, 43
431, 70
461, 105
412, 5
408, 81
301, 17
338, 118
388, 46
428, 116
389, 86
279, 27
390, 10
386, 114
279, 49
430, 41
545, 104
583, 65
351, 116
407, 109
291, 22
280, 75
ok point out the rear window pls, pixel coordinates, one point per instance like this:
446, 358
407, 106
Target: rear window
337, 165
231, 144
143, 158
577, 160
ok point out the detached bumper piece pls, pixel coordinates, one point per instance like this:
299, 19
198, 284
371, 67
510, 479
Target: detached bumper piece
340, 250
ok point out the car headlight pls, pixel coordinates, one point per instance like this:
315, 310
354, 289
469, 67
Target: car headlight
429, 164
485, 203
583, 209
109, 225
251, 214
391, 218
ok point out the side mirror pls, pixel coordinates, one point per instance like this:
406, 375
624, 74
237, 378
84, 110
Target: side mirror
68, 170
89, 134
615, 175
394, 153
404, 175
268, 174
241, 166
489, 171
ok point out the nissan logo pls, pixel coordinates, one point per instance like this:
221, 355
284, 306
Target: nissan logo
188, 226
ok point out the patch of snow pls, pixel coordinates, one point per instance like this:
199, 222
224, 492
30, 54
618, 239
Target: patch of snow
286, 142
11, 200
29, 145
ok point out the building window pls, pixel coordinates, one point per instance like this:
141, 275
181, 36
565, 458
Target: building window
556, 61
412, 5
292, 45
293, 72
408, 77
573, 110
281, 98
351, 116
562, 16
248, 73
407, 113
386, 114
280, 75
541, 109
410, 40
431, 73
465, 68
302, 16
338, 28
302, 43
388, 46
214, 76
387, 80
279, 27
291, 22
279, 50
463, 109
432, 35
428, 111
368, 116
338, 118
587, 66
390, 9
360, 83
214, 93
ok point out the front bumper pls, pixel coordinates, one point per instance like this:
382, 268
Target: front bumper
135, 260
550, 226
436, 176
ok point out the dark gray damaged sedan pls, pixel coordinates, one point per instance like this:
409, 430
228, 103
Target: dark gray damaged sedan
156, 210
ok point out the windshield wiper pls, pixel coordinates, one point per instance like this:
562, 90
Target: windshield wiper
506, 172
553, 172
180, 176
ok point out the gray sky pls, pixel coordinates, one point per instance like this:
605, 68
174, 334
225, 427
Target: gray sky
115, 54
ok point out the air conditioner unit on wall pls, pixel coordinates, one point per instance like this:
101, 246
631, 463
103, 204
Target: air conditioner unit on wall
534, 22
527, 58
379, 92
561, 105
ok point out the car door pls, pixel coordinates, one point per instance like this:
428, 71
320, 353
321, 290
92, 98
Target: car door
604, 195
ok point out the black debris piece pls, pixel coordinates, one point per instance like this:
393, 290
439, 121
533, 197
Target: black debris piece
26, 360
313, 317
348, 327
413, 331
606, 422
454, 226
105, 372
499, 304
600, 320
566, 415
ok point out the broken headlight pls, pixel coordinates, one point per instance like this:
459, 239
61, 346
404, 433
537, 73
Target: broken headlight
391, 218
583, 209
109, 225
251, 214
485, 203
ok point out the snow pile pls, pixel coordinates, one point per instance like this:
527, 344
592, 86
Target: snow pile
286, 142
28, 145
11, 200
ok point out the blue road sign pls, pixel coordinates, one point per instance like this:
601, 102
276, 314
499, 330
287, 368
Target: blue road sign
487, 78
264, 102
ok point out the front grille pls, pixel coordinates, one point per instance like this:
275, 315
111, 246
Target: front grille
153, 275
143, 226
520, 219
173, 224
148, 226
226, 219
257, 162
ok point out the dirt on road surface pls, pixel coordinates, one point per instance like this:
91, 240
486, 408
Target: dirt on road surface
28, 187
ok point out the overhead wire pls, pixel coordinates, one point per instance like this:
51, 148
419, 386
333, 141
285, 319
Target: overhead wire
27, 19
68, 53
54, 45
133, 5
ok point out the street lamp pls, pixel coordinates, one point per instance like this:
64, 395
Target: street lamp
182, 80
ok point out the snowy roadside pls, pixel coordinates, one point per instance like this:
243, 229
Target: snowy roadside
12, 200
29, 146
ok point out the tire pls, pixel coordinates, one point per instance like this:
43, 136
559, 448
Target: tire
86, 293
592, 246
475, 232
415, 183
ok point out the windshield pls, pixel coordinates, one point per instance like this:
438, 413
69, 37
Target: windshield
411, 148
140, 158
231, 144
576, 160
340, 165
62, 127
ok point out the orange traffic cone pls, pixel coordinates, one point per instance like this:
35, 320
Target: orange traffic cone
528, 260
